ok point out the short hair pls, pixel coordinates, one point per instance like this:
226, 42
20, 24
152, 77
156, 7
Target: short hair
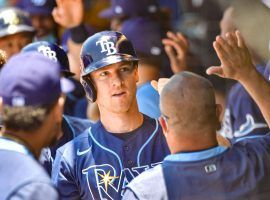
27, 118
189, 101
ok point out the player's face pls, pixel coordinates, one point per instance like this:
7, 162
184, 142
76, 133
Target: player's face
116, 87
13, 44
44, 25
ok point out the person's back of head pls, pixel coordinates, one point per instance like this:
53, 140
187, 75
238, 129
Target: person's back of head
31, 102
188, 106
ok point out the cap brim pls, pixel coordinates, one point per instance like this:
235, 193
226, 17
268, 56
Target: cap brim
16, 29
66, 85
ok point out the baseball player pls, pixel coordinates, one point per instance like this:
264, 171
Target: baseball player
32, 109
100, 162
71, 126
41, 18
16, 30
198, 168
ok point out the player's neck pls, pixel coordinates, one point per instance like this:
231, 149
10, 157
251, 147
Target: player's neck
29, 140
122, 122
185, 143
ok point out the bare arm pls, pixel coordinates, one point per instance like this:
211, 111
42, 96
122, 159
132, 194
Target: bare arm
236, 64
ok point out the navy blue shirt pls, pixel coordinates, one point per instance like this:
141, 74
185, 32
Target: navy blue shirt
71, 128
21, 176
98, 165
239, 172
242, 115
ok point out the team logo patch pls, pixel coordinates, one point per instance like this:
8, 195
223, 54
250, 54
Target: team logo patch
248, 126
106, 47
108, 182
48, 52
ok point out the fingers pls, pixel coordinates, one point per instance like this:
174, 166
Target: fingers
221, 53
180, 49
231, 39
215, 70
170, 52
154, 84
223, 43
241, 42
182, 38
177, 38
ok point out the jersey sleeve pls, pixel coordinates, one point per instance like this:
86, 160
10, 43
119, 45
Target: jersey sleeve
35, 191
129, 195
63, 179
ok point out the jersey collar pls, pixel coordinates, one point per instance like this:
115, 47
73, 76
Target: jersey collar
196, 156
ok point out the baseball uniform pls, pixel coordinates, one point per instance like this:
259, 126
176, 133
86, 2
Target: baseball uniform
98, 164
242, 116
239, 172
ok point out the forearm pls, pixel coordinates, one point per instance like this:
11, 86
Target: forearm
259, 89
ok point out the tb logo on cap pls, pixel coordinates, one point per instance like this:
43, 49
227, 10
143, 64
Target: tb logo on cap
47, 52
107, 47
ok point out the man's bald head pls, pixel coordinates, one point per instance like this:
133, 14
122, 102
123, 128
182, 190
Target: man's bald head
188, 101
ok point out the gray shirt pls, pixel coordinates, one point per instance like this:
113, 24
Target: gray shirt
148, 185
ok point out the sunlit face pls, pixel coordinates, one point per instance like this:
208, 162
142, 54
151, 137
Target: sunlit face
13, 44
116, 87
44, 25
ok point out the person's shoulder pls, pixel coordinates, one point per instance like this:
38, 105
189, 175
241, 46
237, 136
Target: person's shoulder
35, 190
151, 122
70, 147
256, 144
77, 124
148, 176
151, 125
142, 185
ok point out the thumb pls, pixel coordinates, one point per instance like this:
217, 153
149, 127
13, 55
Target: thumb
215, 70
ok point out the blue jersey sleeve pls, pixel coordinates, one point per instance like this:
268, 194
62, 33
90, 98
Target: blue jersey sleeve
63, 178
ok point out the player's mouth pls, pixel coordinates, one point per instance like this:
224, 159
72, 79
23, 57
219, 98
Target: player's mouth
119, 94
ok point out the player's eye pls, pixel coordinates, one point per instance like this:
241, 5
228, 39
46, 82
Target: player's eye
125, 68
104, 73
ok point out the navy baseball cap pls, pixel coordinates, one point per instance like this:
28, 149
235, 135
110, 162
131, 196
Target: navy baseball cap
31, 79
130, 8
38, 7
145, 35
14, 20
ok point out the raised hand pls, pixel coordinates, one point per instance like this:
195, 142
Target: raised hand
236, 61
176, 47
69, 13
158, 85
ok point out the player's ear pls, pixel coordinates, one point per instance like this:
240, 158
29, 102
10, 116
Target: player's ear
136, 72
59, 108
164, 125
